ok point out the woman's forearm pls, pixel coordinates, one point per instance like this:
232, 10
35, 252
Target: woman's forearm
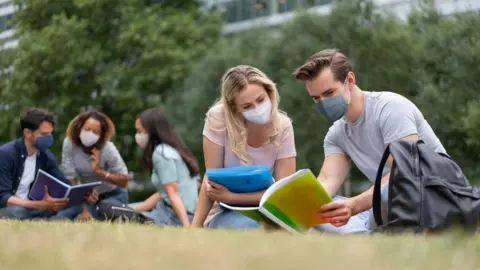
204, 205
252, 198
179, 208
149, 203
118, 179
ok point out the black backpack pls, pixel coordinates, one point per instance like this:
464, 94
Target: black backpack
427, 192
115, 211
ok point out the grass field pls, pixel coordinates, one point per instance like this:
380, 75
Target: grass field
59, 245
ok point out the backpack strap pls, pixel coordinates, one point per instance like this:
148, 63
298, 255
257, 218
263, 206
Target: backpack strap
377, 199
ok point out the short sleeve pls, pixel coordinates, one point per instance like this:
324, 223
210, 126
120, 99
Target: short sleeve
115, 163
164, 162
331, 142
68, 166
287, 143
396, 119
214, 128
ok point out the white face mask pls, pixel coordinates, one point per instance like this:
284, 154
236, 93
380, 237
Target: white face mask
88, 138
261, 114
141, 139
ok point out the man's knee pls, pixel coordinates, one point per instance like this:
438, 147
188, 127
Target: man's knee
70, 212
15, 212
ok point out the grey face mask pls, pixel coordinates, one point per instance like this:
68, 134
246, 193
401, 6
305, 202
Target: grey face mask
333, 108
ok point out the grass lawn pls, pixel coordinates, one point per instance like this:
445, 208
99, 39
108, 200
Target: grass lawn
60, 245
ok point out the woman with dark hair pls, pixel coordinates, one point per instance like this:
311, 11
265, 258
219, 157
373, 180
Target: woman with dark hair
88, 155
173, 167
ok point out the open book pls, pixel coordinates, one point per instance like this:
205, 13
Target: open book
292, 203
58, 189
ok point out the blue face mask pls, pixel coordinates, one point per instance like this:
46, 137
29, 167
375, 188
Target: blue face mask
333, 108
42, 143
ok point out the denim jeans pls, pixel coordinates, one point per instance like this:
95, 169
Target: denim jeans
163, 214
22, 213
117, 195
363, 222
233, 220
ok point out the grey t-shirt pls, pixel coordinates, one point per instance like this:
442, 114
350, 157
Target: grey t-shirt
76, 164
386, 117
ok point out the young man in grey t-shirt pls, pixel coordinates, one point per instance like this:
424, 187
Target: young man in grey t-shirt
364, 123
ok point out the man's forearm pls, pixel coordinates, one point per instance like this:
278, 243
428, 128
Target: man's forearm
330, 186
14, 200
363, 201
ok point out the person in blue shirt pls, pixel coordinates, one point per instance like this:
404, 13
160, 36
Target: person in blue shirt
20, 161
174, 169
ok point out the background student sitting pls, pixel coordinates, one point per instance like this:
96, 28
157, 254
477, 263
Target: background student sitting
20, 161
89, 155
174, 171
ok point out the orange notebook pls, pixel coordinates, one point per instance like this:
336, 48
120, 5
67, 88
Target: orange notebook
292, 203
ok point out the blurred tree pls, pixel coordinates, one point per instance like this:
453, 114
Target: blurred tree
118, 56
187, 107
6, 114
124, 57
430, 59
449, 72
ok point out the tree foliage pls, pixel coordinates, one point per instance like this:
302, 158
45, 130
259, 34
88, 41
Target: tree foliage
430, 59
124, 56
120, 57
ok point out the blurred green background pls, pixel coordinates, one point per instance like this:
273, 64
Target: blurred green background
126, 56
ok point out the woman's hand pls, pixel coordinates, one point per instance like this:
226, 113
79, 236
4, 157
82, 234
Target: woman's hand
216, 192
95, 160
92, 197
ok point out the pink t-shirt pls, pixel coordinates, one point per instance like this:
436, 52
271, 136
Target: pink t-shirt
266, 155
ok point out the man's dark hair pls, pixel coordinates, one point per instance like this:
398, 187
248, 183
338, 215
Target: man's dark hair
318, 62
32, 118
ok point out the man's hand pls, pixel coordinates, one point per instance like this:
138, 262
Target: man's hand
91, 197
50, 203
216, 192
337, 213
95, 160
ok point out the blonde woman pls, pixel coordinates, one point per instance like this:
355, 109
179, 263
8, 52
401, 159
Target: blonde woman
244, 127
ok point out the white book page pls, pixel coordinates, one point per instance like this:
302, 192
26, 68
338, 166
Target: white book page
86, 185
278, 221
55, 179
238, 208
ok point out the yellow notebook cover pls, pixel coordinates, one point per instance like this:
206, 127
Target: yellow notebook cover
296, 201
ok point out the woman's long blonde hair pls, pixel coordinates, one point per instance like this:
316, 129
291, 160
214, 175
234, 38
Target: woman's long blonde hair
234, 80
